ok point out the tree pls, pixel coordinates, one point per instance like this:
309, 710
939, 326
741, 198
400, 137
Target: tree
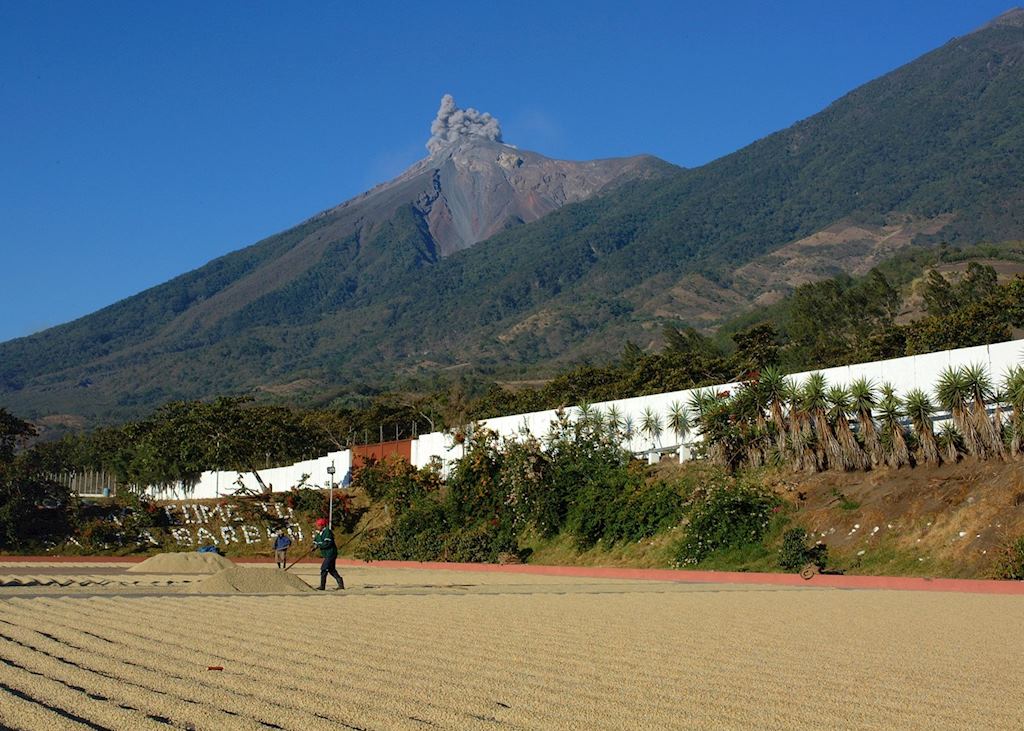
894, 440
14, 432
650, 425
953, 391
22, 486
1013, 384
757, 348
863, 401
979, 386
840, 410
939, 297
678, 421
919, 408
776, 388
816, 405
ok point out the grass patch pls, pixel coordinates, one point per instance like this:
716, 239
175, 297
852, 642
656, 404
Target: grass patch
887, 559
648, 553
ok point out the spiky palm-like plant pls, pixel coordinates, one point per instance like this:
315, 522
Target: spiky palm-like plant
650, 424
712, 415
839, 412
701, 400
1013, 385
951, 444
815, 403
678, 420
979, 385
863, 400
893, 437
802, 443
748, 406
775, 387
953, 391
679, 424
999, 400
919, 408
613, 417
628, 428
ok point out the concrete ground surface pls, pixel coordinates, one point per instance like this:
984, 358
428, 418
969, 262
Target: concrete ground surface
435, 648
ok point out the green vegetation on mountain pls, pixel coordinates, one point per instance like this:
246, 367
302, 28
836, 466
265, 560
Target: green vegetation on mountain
938, 143
841, 320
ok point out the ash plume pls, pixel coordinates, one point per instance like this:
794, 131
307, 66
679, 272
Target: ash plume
452, 123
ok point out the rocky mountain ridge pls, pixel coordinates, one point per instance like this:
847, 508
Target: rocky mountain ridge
390, 285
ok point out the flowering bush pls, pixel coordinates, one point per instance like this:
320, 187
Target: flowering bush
726, 515
796, 553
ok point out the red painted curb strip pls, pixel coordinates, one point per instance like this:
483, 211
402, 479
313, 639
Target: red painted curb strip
895, 583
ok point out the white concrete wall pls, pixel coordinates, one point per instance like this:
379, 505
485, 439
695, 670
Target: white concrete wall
915, 371
215, 484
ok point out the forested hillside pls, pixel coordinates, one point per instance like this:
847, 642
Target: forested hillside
932, 152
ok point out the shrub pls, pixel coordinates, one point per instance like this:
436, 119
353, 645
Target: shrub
726, 516
622, 506
395, 481
305, 500
99, 534
311, 504
482, 543
1010, 561
33, 509
419, 533
796, 553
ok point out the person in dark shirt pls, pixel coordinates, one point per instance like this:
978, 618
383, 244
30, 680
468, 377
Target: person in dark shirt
281, 544
324, 540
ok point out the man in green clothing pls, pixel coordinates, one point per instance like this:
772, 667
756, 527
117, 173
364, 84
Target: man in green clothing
324, 540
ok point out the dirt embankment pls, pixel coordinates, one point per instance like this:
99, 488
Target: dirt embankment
952, 520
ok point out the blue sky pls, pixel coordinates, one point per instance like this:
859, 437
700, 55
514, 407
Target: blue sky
140, 140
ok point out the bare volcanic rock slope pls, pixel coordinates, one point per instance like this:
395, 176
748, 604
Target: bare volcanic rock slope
473, 185
484, 255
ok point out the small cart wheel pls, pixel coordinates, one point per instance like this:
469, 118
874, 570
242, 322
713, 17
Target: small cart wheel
808, 572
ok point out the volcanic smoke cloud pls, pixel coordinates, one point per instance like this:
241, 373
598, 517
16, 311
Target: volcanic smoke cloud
452, 123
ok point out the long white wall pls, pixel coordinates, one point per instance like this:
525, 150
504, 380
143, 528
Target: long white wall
915, 371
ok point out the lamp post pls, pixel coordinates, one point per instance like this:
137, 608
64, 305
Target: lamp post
330, 501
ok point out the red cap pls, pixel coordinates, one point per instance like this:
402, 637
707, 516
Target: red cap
321, 522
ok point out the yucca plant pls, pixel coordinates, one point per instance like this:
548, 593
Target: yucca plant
863, 400
679, 424
716, 425
613, 417
893, 437
979, 385
701, 400
628, 428
758, 445
951, 444
678, 421
747, 409
802, 443
584, 412
840, 410
953, 391
776, 389
1013, 385
650, 424
1002, 432
919, 408
815, 403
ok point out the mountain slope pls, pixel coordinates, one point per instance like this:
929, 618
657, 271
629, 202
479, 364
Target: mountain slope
933, 151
